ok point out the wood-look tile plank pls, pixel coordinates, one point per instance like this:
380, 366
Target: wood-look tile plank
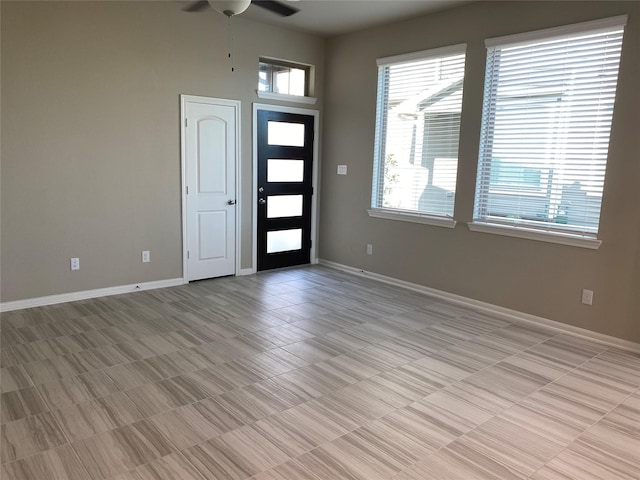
566, 410
54, 464
441, 370
498, 387
77, 389
117, 451
14, 378
510, 444
530, 364
291, 470
570, 465
214, 380
392, 389
457, 463
189, 425
21, 403
358, 405
131, 375
293, 437
610, 447
422, 425
48, 370
459, 415
236, 455
154, 398
250, 404
169, 467
325, 466
315, 349
618, 364
30, 435
86, 419
546, 423
520, 336
365, 457
589, 388
566, 350
389, 444
626, 416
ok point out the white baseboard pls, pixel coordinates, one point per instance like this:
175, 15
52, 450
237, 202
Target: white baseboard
496, 310
246, 271
86, 294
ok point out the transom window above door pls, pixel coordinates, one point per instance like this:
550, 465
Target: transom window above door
287, 78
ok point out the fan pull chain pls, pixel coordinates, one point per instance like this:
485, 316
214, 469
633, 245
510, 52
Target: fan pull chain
230, 32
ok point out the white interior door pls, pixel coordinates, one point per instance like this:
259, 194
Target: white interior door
210, 151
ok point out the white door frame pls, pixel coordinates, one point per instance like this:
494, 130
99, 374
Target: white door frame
183, 161
314, 180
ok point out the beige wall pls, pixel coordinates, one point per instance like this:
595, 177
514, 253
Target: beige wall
90, 134
538, 278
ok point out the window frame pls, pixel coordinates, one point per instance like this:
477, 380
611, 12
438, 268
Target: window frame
388, 213
309, 71
529, 230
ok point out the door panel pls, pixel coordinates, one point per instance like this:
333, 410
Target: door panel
212, 235
212, 156
285, 161
210, 150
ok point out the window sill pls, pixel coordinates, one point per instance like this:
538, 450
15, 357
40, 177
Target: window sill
530, 234
287, 98
412, 217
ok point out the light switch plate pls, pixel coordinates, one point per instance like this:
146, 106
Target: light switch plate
342, 169
587, 297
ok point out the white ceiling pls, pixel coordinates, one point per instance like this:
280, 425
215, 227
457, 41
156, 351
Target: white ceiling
333, 17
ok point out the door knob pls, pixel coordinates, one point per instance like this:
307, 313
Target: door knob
262, 201
231, 202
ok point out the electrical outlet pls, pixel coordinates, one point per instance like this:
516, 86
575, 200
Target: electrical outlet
587, 297
369, 249
342, 169
146, 256
75, 264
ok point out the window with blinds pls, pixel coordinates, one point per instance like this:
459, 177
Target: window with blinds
417, 131
548, 106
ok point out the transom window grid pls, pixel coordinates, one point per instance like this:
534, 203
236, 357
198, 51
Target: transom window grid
283, 77
548, 107
417, 132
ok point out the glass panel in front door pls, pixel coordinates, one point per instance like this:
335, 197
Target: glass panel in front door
284, 240
282, 170
279, 206
286, 134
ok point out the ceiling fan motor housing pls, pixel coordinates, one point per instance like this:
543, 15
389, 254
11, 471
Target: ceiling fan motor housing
230, 7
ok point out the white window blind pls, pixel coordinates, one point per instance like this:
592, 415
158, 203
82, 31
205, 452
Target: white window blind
548, 106
417, 131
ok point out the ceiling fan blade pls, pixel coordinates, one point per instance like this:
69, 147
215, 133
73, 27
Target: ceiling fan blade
276, 7
197, 6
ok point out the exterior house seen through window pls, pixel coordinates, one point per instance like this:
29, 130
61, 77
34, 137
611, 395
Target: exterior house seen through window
548, 108
417, 131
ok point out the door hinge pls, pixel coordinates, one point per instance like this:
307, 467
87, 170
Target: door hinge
310, 243
311, 190
187, 189
185, 123
188, 254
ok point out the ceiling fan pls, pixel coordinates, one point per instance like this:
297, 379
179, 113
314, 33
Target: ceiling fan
236, 7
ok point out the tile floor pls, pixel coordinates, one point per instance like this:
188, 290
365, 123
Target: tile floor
307, 374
